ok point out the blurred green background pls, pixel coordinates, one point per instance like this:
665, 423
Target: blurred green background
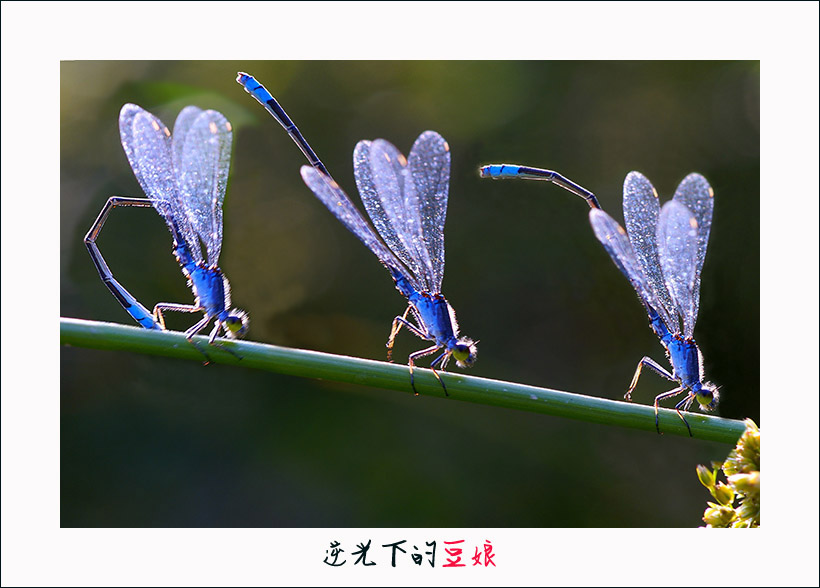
151, 442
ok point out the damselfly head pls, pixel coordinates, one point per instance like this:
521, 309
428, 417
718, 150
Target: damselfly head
464, 352
707, 397
236, 325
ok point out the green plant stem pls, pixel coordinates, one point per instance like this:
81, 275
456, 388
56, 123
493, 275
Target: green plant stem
339, 368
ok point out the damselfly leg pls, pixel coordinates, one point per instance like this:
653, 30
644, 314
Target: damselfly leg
400, 321
671, 394
655, 367
418, 355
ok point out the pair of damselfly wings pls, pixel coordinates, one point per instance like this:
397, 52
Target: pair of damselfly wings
185, 175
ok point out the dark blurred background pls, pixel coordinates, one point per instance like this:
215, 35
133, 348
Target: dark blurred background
152, 442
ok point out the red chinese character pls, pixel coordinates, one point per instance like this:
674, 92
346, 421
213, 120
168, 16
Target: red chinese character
455, 552
488, 555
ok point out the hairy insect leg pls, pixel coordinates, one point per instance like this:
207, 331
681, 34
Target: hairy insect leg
394, 330
400, 321
685, 404
442, 361
189, 334
655, 367
664, 396
162, 307
412, 362
213, 341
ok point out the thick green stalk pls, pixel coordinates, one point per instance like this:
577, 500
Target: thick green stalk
312, 364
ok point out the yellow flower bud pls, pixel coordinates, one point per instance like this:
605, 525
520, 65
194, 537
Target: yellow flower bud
718, 516
706, 476
724, 494
746, 483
